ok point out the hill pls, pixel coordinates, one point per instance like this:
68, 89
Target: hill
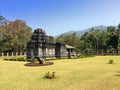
81, 32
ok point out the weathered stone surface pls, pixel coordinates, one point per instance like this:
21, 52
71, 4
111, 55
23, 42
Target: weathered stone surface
41, 46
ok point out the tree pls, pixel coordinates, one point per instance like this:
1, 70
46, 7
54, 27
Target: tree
113, 37
70, 39
118, 33
51, 39
14, 35
2, 19
111, 29
21, 33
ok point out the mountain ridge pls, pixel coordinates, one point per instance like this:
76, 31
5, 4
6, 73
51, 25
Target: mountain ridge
81, 32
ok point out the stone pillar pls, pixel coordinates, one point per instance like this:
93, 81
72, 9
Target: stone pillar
102, 52
118, 51
46, 52
107, 52
20, 53
16, 53
2, 54
113, 52
88, 52
12, 54
40, 52
52, 52
7, 54
24, 53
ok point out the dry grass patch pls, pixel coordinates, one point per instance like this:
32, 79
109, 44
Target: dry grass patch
79, 74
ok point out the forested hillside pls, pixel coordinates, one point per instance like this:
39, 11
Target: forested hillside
95, 40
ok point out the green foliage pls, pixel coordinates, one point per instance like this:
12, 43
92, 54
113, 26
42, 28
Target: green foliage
81, 56
111, 61
49, 76
84, 56
14, 35
70, 39
15, 59
97, 40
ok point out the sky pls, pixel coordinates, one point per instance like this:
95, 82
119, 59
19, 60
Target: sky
60, 16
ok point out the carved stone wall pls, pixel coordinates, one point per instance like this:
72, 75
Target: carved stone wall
40, 45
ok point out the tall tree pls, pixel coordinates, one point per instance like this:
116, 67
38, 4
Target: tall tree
70, 39
14, 35
21, 33
113, 37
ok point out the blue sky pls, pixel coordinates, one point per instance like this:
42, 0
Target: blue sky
59, 16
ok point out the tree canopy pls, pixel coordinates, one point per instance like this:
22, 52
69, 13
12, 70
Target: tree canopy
14, 35
95, 40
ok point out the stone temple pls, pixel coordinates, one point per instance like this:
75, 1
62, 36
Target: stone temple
40, 45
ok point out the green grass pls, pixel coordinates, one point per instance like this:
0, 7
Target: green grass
80, 74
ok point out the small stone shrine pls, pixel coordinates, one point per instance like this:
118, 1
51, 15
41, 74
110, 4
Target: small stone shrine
41, 46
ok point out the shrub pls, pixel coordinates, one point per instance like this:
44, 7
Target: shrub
49, 76
14, 59
81, 56
84, 56
111, 61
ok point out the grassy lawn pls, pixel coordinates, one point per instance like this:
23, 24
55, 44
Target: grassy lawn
80, 74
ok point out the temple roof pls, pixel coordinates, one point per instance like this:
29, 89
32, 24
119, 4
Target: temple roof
39, 31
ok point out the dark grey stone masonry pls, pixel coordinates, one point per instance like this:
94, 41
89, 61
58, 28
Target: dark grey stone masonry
40, 45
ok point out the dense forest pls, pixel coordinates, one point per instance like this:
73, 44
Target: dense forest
95, 41
14, 36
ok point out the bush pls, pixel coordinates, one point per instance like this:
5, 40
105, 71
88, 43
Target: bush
15, 59
49, 76
111, 61
84, 56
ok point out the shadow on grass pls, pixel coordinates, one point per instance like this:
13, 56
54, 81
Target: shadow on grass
118, 74
34, 64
